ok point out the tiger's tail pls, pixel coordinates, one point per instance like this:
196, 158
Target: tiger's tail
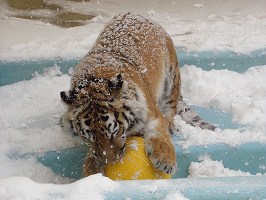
191, 117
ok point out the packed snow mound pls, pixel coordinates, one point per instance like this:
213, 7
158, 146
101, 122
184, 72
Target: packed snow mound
207, 167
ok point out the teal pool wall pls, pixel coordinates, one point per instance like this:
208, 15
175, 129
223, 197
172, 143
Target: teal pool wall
15, 71
249, 157
208, 60
230, 188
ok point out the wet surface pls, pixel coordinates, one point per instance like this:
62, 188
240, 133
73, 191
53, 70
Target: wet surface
31, 5
47, 12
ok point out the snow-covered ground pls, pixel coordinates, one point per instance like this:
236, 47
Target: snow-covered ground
30, 110
239, 26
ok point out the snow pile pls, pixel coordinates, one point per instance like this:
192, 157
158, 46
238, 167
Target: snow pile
70, 43
175, 195
210, 168
242, 94
220, 33
23, 188
195, 136
30, 125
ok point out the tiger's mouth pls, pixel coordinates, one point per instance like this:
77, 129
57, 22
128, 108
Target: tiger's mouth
109, 157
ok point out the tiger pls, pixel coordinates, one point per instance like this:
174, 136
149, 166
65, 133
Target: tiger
127, 85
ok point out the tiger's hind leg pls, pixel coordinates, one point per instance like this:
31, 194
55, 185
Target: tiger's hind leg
191, 117
171, 86
170, 102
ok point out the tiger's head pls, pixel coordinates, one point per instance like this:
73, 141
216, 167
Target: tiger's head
96, 113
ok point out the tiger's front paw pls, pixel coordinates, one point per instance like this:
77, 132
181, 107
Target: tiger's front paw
91, 166
162, 154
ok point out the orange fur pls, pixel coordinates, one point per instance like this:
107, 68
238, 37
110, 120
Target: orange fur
144, 54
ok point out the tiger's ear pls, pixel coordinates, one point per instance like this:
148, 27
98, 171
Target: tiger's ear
67, 97
116, 83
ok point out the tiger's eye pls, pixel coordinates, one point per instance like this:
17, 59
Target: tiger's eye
104, 118
87, 122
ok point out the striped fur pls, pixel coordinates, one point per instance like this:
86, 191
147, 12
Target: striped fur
128, 84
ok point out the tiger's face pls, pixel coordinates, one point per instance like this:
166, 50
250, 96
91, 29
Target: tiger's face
103, 129
98, 117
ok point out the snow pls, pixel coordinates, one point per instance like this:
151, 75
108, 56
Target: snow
242, 94
196, 137
237, 27
25, 188
175, 195
197, 5
29, 126
210, 168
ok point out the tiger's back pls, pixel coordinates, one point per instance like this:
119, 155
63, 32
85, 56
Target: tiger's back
144, 53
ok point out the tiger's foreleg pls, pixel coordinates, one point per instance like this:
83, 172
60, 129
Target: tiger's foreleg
159, 146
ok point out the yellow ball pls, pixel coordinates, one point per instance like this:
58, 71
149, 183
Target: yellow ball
134, 165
